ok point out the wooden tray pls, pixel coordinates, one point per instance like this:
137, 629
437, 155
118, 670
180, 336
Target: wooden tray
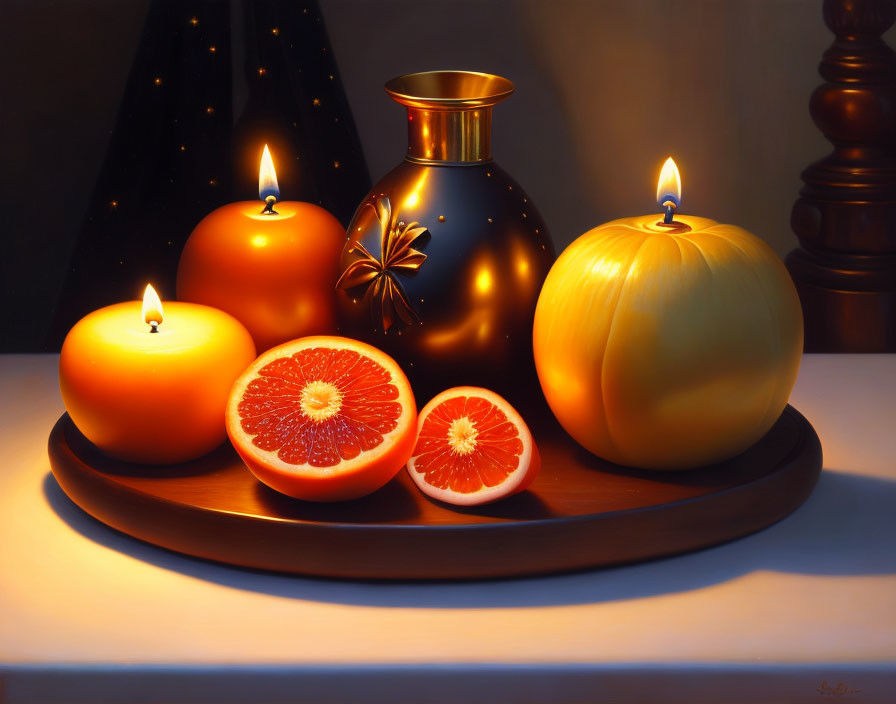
580, 512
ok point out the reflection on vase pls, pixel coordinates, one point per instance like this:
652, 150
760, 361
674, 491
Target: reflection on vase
446, 256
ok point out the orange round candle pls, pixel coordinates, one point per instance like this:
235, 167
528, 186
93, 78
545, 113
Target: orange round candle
273, 267
153, 397
667, 341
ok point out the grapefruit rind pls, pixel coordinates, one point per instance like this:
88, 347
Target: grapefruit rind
519, 479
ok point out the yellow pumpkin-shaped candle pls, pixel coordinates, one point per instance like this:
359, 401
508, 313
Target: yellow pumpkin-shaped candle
667, 345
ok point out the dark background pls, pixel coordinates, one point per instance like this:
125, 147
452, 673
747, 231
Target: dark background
606, 89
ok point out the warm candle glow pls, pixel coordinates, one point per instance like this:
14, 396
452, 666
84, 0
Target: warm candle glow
484, 280
152, 307
413, 198
668, 188
267, 177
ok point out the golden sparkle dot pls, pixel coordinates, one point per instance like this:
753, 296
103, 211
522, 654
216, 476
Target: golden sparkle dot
490, 220
441, 218
212, 49
536, 230
305, 11
488, 173
262, 71
183, 147
194, 21
330, 76
510, 188
336, 164
209, 110
524, 215
157, 81
275, 31
211, 182
113, 204
315, 102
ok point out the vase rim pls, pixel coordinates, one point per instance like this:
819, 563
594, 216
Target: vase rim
449, 90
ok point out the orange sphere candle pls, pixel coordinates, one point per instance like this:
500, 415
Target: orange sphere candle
667, 341
273, 266
152, 387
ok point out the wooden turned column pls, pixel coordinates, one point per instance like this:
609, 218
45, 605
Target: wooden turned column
845, 217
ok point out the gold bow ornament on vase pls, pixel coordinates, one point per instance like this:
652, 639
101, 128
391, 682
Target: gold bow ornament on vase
380, 276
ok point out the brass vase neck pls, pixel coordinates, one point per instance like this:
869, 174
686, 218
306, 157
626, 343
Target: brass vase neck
443, 135
449, 113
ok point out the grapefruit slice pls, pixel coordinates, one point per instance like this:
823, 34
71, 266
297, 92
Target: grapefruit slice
323, 418
472, 448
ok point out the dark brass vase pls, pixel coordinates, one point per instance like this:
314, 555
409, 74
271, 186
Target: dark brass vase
446, 255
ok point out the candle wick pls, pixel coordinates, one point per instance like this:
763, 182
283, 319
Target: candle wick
670, 212
269, 206
153, 326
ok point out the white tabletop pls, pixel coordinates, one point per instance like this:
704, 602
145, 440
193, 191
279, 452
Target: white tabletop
802, 610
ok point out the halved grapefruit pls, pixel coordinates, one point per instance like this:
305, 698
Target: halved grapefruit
472, 448
323, 418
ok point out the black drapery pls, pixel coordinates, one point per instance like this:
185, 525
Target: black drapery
210, 84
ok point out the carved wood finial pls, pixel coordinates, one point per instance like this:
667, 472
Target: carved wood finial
845, 217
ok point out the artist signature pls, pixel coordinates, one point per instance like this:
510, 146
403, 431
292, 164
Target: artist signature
835, 690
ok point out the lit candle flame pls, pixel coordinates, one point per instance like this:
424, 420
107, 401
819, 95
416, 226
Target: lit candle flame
152, 307
668, 188
267, 177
